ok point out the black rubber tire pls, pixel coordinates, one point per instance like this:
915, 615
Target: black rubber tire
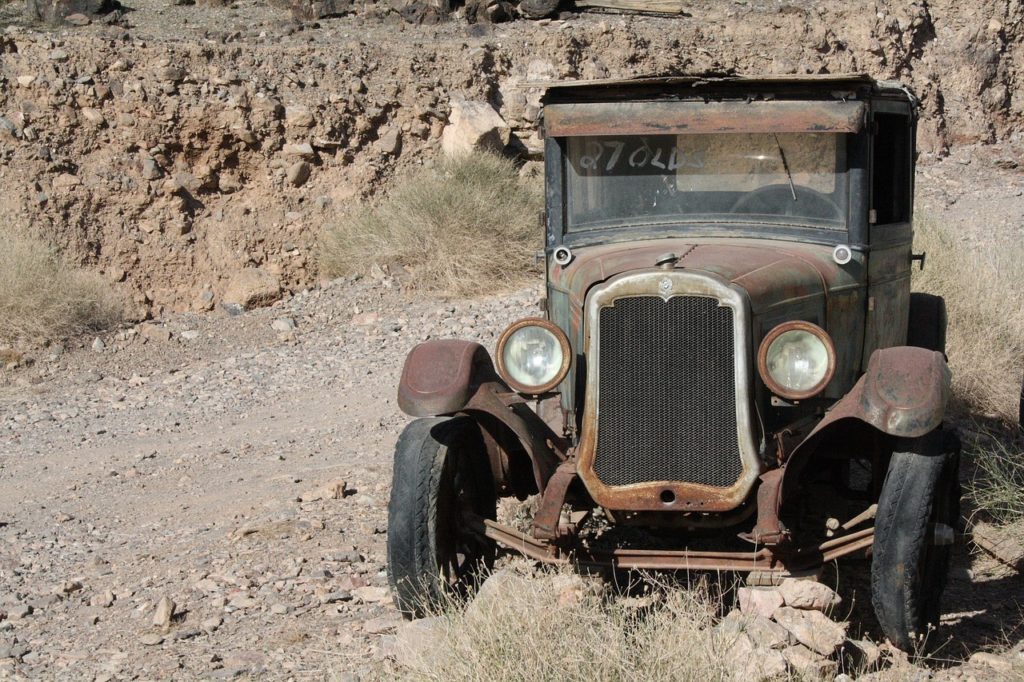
441, 472
926, 326
908, 571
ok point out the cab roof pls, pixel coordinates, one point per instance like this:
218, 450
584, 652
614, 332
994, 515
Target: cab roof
816, 86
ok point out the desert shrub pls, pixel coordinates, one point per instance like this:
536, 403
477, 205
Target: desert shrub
983, 284
43, 298
997, 484
465, 226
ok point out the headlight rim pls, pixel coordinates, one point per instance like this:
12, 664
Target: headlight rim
559, 335
775, 333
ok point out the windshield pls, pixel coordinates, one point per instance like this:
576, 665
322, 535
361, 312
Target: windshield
792, 179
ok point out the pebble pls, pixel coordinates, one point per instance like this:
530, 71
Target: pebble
283, 324
151, 639
98, 345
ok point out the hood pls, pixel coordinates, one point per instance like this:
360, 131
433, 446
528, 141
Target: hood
773, 273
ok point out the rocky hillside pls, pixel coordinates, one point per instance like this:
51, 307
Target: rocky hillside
173, 147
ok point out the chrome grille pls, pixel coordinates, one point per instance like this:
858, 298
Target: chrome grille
667, 392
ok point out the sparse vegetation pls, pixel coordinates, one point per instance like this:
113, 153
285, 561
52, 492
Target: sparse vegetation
997, 487
983, 284
44, 298
553, 625
466, 226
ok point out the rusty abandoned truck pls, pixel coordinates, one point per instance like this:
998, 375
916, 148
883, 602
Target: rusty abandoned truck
730, 373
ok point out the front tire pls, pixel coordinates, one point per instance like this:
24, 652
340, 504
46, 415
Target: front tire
441, 484
909, 570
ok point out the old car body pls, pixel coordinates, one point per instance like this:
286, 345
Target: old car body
728, 317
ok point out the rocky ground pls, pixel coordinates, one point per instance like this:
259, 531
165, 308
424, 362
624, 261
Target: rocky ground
204, 494
174, 146
238, 466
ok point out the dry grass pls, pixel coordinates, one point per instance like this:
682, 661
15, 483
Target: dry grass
465, 226
983, 284
997, 485
552, 625
43, 298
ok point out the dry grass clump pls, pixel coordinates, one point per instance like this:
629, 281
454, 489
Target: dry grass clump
983, 284
997, 485
464, 227
43, 298
553, 625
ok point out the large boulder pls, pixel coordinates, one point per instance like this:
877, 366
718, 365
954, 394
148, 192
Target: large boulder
474, 126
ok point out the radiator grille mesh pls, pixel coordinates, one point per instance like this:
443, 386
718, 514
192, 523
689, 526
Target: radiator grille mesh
667, 393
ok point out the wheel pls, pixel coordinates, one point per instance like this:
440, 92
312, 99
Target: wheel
441, 484
917, 510
768, 200
926, 326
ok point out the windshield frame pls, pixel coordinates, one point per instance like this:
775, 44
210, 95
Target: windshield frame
755, 226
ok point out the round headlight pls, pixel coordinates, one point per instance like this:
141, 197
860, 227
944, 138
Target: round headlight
533, 356
797, 360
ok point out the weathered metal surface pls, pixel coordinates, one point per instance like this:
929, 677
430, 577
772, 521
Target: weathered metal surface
903, 393
888, 292
545, 521
783, 280
769, 529
688, 117
440, 376
545, 449
711, 80
684, 496
763, 559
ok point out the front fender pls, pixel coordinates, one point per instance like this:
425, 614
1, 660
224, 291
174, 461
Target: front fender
440, 376
449, 376
903, 393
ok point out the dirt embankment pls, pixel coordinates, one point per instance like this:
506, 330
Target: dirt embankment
176, 146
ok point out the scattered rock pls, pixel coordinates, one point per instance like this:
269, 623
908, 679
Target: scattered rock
283, 324
761, 601
390, 142
335, 490
812, 629
416, 644
304, 151
212, 624
151, 639
298, 173
299, 116
474, 126
364, 319
752, 663
809, 665
164, 612
252, 287
98, 345
155, 332
808, 594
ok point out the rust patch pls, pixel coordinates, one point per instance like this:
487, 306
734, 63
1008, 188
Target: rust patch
698, 117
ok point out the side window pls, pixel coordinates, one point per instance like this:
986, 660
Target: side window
890, 190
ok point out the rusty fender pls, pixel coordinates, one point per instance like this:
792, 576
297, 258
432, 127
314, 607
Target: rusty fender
450, 376
903, 394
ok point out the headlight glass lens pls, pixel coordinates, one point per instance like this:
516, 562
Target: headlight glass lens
797, 360
532, 356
